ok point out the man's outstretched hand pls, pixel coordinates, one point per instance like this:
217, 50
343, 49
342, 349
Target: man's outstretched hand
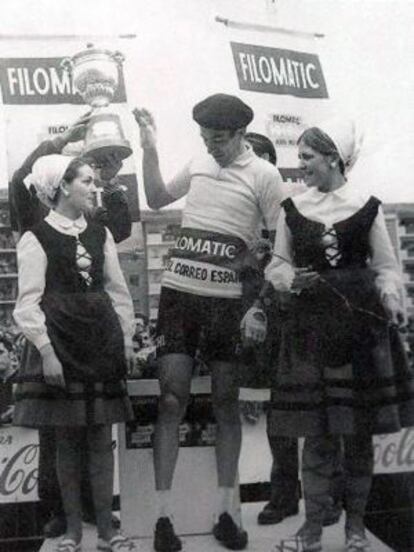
148, 130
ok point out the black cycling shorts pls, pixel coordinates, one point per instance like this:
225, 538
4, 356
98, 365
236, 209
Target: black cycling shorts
187, 322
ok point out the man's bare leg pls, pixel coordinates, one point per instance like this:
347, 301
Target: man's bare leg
175, 385
225, 395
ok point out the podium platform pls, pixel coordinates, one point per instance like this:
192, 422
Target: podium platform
261, 538
254, 467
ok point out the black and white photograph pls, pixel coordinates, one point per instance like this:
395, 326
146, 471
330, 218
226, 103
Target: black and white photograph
207, 275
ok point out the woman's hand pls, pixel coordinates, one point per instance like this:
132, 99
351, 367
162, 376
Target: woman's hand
254, 326
393, 308
130, 359
305, 278
147, 128
52, 368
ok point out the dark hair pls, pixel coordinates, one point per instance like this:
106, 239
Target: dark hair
72, 171
319, 141
261, 145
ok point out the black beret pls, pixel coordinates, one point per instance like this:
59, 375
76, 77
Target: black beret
222, 112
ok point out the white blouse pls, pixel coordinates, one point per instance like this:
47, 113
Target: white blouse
32, 265
328, 209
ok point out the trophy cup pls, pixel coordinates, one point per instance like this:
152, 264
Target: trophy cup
94, 73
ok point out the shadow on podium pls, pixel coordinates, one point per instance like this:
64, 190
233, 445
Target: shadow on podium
390, 511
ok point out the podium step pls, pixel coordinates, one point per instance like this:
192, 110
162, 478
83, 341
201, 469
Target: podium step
261, 538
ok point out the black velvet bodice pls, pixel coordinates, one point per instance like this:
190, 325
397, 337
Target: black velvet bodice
352, 236
62, 275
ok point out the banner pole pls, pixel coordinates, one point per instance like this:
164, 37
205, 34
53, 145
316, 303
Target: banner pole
244, 26
35, 37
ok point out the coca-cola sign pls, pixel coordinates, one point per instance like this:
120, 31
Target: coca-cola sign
19, 458
394, 453
19, 453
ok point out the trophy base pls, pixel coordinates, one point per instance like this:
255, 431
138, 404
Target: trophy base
99, 150
104, 135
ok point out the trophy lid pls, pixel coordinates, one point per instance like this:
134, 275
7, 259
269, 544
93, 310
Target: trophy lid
96, 53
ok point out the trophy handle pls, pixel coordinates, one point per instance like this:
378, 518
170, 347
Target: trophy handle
67, 65
118, 57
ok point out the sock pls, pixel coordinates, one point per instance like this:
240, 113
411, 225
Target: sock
163, 503
225, 500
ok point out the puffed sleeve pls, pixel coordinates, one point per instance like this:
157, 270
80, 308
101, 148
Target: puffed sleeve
272, 192
383, 261
115, 286
280, 270
32, 265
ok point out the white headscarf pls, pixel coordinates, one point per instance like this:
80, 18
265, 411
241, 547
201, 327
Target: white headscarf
46, 176
347, 139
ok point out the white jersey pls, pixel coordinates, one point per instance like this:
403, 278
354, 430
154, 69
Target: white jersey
224, 207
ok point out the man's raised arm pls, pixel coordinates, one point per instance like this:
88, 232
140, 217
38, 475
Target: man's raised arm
155, 188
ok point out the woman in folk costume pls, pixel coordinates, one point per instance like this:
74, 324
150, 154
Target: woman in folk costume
342, 369
75, 309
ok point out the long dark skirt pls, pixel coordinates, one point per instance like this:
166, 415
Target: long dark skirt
40, 405
374, 394
339, 370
